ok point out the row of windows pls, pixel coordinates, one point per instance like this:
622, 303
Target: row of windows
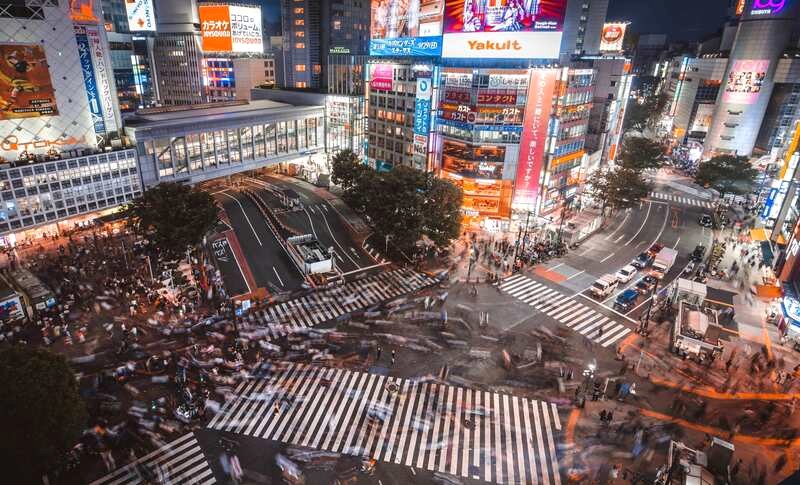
208, 150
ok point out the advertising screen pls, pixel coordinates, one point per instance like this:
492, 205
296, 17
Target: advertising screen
26, 90
612, 36
231, 28
745, 80
141, 17
534, 136
382, 77
503, 29
406, 28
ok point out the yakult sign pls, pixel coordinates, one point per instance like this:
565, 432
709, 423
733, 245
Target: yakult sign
534, 136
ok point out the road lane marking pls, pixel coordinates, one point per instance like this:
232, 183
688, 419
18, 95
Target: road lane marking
245, 217
606, 258
576, 274
627, 215
649, 206
278, 276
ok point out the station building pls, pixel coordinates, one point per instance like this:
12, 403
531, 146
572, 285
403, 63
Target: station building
192, 144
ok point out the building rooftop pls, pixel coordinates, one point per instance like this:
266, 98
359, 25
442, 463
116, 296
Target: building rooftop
226, 111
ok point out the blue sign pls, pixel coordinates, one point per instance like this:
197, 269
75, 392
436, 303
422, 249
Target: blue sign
422, 107
407, 46
85, 56
768, 203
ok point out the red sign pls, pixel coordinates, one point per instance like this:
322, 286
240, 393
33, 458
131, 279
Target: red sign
486, 98
382, 77
457, 96
534, 136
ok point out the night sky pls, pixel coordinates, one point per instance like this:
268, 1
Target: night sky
679, 19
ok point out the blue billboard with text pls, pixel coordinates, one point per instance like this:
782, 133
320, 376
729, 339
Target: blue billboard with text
407, 46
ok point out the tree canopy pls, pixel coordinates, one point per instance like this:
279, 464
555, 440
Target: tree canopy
640, 153
618, 189
173, 216
404, 204
41, 413
727, 174
641, 115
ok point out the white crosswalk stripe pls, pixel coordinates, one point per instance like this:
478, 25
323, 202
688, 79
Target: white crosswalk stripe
564, 309
682, 200
308, 311
181, 461
464, 432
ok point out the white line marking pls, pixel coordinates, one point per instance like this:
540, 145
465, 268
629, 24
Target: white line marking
649, 206
245, 216
278, 276
576, 274
606, 258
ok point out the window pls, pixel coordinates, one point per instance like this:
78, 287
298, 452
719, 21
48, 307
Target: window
299, 22
179, 149
269, 136
299, 10
207, 142
300, 33
246, 136
222, 146
233, 145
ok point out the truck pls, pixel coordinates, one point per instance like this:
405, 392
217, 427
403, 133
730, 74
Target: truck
663, 262
604, 286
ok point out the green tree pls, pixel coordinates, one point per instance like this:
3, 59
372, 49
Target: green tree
727, 174
640, 153
41, 413
406, 204
346, 169
644, 114
173, 216
618, 189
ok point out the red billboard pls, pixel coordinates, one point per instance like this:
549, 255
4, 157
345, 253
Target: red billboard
538, 109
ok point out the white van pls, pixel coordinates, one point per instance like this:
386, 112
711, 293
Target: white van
604, 286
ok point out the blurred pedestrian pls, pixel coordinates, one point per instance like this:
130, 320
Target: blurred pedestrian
394, 354
378, 353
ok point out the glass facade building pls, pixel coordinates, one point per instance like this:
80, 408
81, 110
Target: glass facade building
220, 139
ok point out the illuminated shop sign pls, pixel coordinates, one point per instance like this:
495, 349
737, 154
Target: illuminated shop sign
231, 28
12, 143
767, 7
534, 135
140, 15
422, 106
612, 37
382, 78
486, 98
414, 46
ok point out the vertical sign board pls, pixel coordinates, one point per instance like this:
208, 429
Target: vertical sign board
85, 56
422, 115
102, 77
536, 122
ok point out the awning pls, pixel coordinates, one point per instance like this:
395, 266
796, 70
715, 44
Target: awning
766, 252
759, 234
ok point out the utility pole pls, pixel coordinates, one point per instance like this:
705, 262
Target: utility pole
646, 322
524, 237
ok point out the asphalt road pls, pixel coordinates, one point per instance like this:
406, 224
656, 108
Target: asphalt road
320, 219
268, 261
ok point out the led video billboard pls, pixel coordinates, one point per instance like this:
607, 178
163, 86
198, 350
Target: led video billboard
141, 17
503, 29
745, 80
406, 28
231, 28
26, 90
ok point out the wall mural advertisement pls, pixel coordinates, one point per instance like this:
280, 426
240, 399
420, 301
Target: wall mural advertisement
612, 36
745, 80
26, 90
87, 68
503, 29
407, 28
534, 136
231, 28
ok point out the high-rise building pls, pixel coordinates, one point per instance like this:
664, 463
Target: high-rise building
131, 60
648, 51
583, 24
612, 87
178, 54
752, 72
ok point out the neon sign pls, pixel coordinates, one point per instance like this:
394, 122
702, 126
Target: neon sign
767, 7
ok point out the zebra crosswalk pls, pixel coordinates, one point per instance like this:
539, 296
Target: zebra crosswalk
317, 308
441, 428
682, 200
181, 461
564, 309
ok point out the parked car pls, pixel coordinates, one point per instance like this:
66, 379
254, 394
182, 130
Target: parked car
626, 274
698, 253
645, 285
626, 299
643, 260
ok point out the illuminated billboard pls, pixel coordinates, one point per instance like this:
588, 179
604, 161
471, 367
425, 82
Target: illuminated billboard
231, 28
26, 90
534, 136
382, 77
141, 17
403, 28
503, 29
612, 36
745, 81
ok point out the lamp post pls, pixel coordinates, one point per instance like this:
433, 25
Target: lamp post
646, 322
